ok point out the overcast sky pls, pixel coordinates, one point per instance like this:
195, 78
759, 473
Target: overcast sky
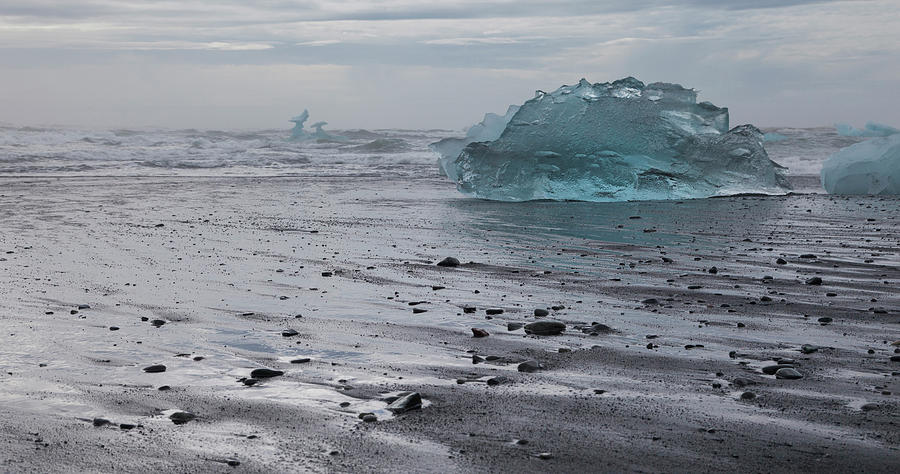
434, 64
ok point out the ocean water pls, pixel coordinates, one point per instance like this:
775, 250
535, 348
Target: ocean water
394, 154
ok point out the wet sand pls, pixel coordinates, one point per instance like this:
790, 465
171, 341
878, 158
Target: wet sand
228, 264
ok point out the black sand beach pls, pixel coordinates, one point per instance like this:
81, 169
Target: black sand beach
673, 314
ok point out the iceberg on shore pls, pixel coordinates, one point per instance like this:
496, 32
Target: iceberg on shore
871, 129
299, 133
869, 167
612, 142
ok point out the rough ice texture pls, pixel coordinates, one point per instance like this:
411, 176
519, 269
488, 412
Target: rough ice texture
613, 142
489, 129
869, 167
871, 129
299, 133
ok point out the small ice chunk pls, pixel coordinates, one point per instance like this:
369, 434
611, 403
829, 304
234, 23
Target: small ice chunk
869, 167
871, 129
488, 129
299, 133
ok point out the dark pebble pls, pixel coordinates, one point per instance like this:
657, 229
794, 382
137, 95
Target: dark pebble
814, 281
478, 332
540, 312
529, 366
181, 417
788, 373
494, 311
153, 369
289, 333
300, 361
448, 262
545, 328
410, 401
265, 373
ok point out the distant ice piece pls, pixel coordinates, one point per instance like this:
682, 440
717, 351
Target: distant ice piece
612, 142
773, 137
298, 133
489, 129
869, 167
871, 129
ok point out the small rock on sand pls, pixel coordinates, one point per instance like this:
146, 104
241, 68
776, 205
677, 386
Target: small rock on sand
814, 281
289, 332
407, 402
265, 373
514, 326
181, 417
530, 366
545, 328
448, 262
788, 373
153, 369
478, 332
540, 312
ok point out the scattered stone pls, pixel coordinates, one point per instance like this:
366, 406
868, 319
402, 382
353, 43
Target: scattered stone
869, 407
514, 326
265, 373
781, 261
153, 369
127, 426
448, 262
545, 328
494, 311
808, 348
114, 328
748, 396
558, 307
84, 306
788, 373
181, 417
407, 402
157, 322
814, 281
713, 270
807, 255
478, 332
824, 321
289, 333
301, 361
771, 369
164, 388
437, 287
493, 381
540, 312
469, 309
530, 366
477, 359
101, 422
419, 310
327, 274
742, 382
650, 301
250, 382
369, 418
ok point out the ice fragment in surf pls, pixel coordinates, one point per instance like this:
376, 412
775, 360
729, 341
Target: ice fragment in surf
489, 129
299, 133
871, 129
613, 142
869, 167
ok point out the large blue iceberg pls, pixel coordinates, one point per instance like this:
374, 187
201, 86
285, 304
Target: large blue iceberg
612, 142
869, 167
871, 129
299, 133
